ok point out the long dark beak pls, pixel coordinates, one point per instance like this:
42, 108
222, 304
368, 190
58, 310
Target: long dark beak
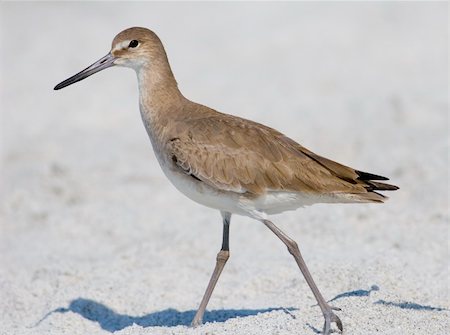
99, 65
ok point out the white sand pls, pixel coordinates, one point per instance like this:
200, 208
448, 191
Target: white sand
91, 228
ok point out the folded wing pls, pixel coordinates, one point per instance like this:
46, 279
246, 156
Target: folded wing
239, 155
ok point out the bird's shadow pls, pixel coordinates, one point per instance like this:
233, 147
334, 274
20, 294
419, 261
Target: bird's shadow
400, 304
410, 305
112, 321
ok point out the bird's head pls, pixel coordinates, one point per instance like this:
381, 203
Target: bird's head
134, 48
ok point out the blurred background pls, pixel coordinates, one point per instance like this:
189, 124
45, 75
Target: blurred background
86, 212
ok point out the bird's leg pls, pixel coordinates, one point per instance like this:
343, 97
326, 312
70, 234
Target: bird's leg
292, 246
221, 259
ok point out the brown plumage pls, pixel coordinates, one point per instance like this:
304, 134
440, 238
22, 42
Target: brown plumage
230, 153
229, 163
238, 155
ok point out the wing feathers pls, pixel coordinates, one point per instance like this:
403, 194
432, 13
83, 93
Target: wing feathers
242, 156
369, 176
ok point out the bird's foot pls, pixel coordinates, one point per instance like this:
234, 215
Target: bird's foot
196, 322
330, 317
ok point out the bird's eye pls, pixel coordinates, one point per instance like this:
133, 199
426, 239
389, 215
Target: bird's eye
133, 44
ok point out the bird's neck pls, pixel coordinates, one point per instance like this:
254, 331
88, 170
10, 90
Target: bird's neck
159, 98
158, 88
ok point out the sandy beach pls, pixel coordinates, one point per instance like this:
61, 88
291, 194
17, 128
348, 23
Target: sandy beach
95, 240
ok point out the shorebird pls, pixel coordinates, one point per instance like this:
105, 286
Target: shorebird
229, 163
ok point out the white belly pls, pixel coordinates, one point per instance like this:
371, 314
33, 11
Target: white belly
273, 202
202, 193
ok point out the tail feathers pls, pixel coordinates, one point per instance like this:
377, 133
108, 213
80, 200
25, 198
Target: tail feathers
371, 186
376, 186
370, 196
368, 178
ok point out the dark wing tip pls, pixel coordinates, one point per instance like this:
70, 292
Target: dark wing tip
369, 176
376, 186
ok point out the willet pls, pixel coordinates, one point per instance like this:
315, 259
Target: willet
228, 163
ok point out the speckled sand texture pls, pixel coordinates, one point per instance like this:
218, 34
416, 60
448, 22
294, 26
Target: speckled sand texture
91, 229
